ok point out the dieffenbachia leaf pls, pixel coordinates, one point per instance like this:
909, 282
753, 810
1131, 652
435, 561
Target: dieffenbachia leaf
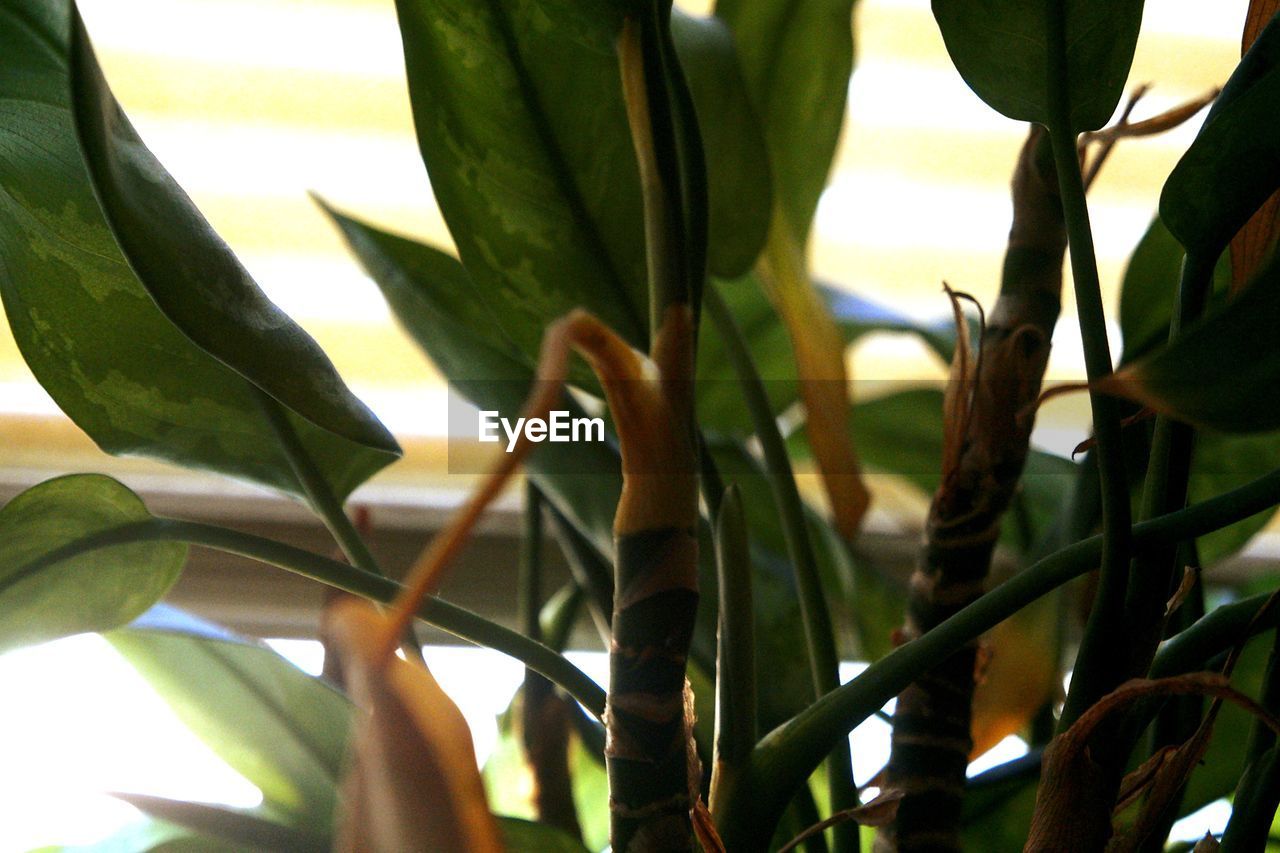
283, 730
43, 598
1002, 50
520, 120
196, 280
1222, 371
85, 325
796, 58
1233, 166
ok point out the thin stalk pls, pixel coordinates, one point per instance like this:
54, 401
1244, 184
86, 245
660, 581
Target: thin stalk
448, 617
736, 716
1153, 575
529, 590
545, 716
1097, 670
789, 754
324, 503
819, 636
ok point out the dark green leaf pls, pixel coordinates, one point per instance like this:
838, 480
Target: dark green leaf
1222, 371
796, 58
283, 730
90, 332
527, 835
193, 276
1150, 289
519, 114
736, 157
428, 293
42, 600
1234, 164
236, 826
1001, 48
1221, 462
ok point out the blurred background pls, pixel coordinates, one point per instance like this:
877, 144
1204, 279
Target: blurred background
252, 104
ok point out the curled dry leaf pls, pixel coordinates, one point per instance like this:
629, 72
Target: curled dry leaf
1072, 780
879, 812
412, 783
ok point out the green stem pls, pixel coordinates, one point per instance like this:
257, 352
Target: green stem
1098, 666
530, 587
316, 487
736, 716
786, 757
448, 617
824, 663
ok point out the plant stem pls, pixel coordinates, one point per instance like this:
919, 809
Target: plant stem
448, 617
324, 503
786, 757
824, 662
530, 587
1153, 575
1098, 666
736, 717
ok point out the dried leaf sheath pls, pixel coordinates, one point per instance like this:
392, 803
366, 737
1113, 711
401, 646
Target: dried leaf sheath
985, 448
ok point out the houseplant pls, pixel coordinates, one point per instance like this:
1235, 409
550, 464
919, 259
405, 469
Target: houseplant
652, 178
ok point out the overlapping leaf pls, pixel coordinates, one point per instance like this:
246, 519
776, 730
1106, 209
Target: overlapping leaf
88, 329
283, 730
1234, 164
519, 115
796, 58
42, 599
1002, 50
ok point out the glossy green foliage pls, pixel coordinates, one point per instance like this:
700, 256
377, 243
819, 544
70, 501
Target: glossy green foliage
519, 113
1220, 461
283, 730
796, 58
86, 326
1201, 379
1234, 164
43, 597
1004, 51
1149, 290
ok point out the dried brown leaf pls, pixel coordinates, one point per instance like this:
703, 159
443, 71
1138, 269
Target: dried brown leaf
412, 783
879, 812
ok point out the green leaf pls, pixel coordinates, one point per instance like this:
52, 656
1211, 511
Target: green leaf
1001, 49
1221, 462
283, 730
89, 331
150, 836
1222, 371
193, 276
796, 58
527, 835
737, 160
1234, 164
720, 402
42, 598
1150, 289
519, 114
240, 827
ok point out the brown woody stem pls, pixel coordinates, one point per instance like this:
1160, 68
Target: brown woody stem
989, 442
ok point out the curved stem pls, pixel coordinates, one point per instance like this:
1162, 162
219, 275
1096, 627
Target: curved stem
824, 662
1098, 666
790, 753
448, 617
324, 503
